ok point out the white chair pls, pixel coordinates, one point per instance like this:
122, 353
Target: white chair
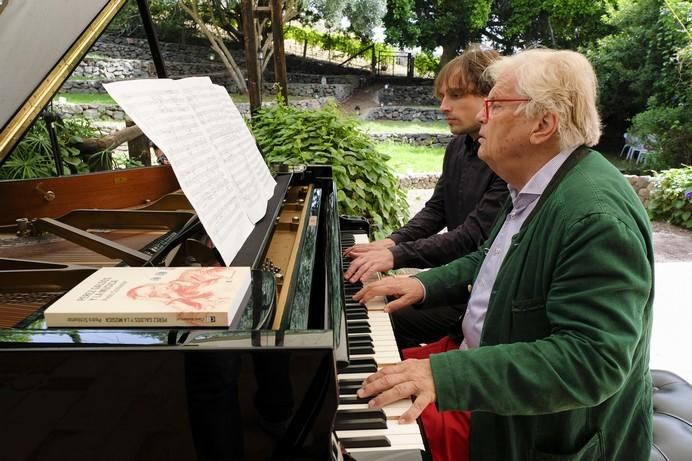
642, 155
627, 150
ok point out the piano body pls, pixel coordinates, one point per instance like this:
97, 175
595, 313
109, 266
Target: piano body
267, 388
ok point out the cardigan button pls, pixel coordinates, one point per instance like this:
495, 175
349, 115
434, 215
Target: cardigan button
469, 287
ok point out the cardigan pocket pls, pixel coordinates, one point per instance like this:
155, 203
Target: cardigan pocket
592, 450
529, 320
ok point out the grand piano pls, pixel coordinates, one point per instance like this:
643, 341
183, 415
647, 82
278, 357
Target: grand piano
279, 385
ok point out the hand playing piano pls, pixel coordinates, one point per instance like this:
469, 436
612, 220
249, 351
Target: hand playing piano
365, 264
360, 248
400, 381
406, 290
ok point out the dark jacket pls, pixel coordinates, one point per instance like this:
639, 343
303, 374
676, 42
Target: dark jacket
562, 371
466, 200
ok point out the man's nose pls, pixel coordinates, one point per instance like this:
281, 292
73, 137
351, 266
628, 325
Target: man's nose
480, 116
444, 107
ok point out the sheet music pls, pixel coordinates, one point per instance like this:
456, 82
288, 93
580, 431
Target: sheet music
240, 160
161, 109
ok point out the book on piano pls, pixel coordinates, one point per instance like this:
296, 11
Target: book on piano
154, 297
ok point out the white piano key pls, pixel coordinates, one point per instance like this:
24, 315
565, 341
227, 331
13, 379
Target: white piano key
401, 436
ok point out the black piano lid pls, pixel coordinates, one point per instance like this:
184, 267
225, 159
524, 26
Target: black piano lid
42, 42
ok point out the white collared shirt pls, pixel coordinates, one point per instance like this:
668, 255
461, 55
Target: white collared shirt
523, 202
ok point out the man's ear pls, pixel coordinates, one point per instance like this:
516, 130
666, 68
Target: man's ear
545, 128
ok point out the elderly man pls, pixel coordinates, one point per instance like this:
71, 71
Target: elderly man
466, 200
555, 351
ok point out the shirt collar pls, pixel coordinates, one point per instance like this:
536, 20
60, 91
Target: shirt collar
539, 181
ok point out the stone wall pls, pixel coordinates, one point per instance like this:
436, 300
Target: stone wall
116, 47
408, 96
114, 112
418, 181
404, 113
642, 185
418, 139
114, 69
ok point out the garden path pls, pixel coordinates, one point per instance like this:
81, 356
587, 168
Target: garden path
364, 98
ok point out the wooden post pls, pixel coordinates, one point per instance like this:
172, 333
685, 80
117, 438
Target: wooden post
280, 75
373, 61
254, 91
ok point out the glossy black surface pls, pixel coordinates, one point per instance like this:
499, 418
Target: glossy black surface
212, 394
176, 403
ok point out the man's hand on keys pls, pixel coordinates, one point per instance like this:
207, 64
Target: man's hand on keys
406, 290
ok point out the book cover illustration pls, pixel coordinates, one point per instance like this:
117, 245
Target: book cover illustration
153, 297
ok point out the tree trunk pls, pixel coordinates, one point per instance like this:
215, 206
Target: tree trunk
449, 52
113, 140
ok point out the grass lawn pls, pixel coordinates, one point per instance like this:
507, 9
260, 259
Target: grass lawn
393, 126
87, 98
407, 159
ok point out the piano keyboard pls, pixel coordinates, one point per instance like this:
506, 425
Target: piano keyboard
371, 346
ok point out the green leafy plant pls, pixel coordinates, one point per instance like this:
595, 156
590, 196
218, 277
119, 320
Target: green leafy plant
672, 197
333, 41
366, 186
33, 156
426, 64
669, 134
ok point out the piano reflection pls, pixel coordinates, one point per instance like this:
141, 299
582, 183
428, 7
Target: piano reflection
278, 386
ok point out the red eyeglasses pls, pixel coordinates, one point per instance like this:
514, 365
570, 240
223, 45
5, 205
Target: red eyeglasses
488, 102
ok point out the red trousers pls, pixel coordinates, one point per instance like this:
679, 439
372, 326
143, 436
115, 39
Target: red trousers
447, 432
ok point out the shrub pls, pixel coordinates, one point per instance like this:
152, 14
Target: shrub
670, 129
33, 156
365, 184
672, 198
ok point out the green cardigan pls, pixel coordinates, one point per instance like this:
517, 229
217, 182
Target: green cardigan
562, 372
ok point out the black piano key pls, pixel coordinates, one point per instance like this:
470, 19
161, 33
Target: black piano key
353, 400
366, 365
361, 350
349, 382
350, 389
361, 419
366, 413
358, 328
365, 442
359, 424
359, 337
356, 315
360, 341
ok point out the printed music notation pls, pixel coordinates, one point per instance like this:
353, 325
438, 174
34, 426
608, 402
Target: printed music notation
211, 150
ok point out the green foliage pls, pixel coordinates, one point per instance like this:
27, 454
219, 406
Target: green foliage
646, 66
426, 64
33, 156
551, 23
170, 22
366, 186
672, 198
450, 24
669, 134
363, 16
334, 41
